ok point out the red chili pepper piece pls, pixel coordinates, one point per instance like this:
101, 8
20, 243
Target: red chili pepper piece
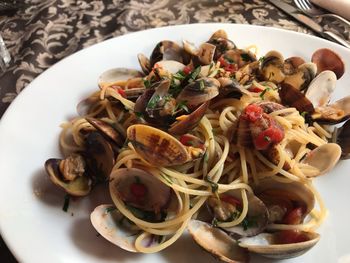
291, 236
120, 91
252, 113
138, 190
223, 62
232, 68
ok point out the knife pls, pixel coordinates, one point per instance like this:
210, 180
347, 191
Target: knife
307, 21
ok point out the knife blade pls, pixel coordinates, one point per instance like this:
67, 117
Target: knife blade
307, 21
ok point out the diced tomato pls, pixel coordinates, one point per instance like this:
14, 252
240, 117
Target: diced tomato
255, 89
271, 135
294, 216
252, 112
290, 236
186, 140
231, 200
138, 190
232, 68
120, 91
223, 62
187, 70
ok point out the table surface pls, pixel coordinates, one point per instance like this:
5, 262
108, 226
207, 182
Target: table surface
43, 32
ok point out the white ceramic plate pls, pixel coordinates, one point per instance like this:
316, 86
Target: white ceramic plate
31, 218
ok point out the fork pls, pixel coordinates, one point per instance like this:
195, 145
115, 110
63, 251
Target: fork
311, 10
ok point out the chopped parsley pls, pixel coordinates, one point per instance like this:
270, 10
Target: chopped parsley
201, 85
267, 138
262, 94
215, 222
66, 203
146, 83
214, 186
182, 106
229, 60
194, 74
206, 157
245, 57
303, 114
139, 114
261, 59
180, 75
153, 101
249, 222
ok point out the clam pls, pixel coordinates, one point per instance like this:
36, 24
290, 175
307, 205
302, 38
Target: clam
284, 200
272, 67
302, 77
342, 138
167, 50
139, 188
199, 91
107, 130
69, 174
113, 226
247, 73
188, 122
99, 156
217, 242
327, 59
229, 206
276, 245
239, 57
320, 89
334, 113
200, 56
291, 64
158, 147
145, 63
170, 66
219, 34
117, 76
230, 88
323, 158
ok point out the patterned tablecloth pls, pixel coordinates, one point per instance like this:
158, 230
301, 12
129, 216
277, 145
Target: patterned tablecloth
45, 31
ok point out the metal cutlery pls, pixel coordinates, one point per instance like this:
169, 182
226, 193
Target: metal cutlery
307, 21
311, 10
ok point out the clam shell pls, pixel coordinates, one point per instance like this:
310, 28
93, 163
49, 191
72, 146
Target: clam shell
264, 245
108, 222
217, 242
156, 146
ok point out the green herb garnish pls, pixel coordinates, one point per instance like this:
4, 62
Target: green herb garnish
214, 186
215, 222
153, 102
194, 74
249, 222
182, 106
66, 203
228, 59
261, 59
139, 114
180, 75
245, 57
267, 138
201, 85
303, 114
146, 83
262, 94
206, 157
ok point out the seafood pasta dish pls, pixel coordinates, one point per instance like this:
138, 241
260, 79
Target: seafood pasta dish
209, 139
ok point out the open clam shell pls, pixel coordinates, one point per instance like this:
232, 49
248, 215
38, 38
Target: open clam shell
323, 158
113, 226
268, 245
257, 215
327, 59
79, 186
156, 146
139, 188
280, 197
217, 242
116, 75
